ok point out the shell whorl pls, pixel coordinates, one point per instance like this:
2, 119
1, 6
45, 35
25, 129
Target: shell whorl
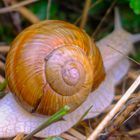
70, 67
52, 64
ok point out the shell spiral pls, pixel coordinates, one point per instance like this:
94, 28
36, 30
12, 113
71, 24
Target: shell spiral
52, 64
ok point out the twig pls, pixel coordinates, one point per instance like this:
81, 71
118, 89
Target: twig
109, 108
68, 137
1, 65
15, 6
115, 110
85, 13
25, 13
28, 14
133, 75
132, 114
4, 49
92, 6
87, 127
1, 79
123, 89
134, 132
76, 134
19, 136
48, 9
106, 14
14, 16
121, 117
2, 57
132, 96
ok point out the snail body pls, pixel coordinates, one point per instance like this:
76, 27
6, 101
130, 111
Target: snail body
52, 64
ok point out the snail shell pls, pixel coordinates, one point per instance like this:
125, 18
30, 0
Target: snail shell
52, 64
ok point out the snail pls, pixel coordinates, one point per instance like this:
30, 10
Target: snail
51, 64
115, 67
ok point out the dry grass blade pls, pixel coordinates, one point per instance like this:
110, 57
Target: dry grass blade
17, 5
85, 13
115, 110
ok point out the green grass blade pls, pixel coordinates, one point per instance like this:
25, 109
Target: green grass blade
56, 117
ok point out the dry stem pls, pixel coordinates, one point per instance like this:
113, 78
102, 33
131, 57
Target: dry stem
28, 14
48, 9
15, 6
1, 65
19, 136
92, 6
122, 117
134, 132
133, 75
85, 13
76, 134
4, 49
132, 96
106, 14
1, 79
68, 137
115, 110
